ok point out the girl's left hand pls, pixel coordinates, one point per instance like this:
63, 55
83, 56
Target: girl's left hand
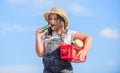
82, 55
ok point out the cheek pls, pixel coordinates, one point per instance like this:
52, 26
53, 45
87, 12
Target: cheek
55, 22
49, 21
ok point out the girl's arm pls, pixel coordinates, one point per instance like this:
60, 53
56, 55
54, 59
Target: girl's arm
87, 41
39, 44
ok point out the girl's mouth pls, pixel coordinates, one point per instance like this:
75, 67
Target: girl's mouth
52, 25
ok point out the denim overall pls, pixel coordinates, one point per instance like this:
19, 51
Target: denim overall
51, 60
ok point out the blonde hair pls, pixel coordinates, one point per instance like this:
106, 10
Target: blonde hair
60, 28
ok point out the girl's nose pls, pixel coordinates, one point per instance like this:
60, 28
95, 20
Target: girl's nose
52, 21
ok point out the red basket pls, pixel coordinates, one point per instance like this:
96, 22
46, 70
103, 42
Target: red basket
69, 52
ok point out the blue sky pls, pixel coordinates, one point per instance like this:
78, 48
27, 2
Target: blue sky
19, 20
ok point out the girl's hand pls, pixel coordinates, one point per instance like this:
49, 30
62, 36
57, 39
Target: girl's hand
39, 32
82, 55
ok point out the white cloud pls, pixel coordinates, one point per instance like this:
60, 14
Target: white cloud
110, 33
79, 9
20, 69
111, 62
5, 29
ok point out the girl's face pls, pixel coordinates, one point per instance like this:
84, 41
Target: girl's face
53, 21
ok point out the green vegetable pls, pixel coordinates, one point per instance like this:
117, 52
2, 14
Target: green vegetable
46, 27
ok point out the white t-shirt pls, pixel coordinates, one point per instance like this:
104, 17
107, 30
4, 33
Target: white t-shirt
68, 37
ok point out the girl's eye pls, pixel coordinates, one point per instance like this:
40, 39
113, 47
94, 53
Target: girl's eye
55, 18
52, 18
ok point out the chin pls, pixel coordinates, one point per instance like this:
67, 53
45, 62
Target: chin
53, 29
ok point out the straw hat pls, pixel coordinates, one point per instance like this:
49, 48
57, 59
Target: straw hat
60, 12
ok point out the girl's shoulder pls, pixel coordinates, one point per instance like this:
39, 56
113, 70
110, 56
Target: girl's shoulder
71, 32
69, 36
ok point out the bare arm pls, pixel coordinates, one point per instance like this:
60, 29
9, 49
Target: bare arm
87, 41
39, 44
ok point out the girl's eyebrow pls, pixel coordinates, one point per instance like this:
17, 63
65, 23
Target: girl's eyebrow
52, 18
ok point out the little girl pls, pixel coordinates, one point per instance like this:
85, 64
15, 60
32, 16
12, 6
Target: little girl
48, 43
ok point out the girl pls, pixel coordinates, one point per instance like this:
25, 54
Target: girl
48, 43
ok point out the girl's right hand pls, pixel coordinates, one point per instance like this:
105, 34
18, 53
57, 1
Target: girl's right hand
39, 32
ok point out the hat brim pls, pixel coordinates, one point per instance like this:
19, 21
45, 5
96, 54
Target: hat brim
46, 14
